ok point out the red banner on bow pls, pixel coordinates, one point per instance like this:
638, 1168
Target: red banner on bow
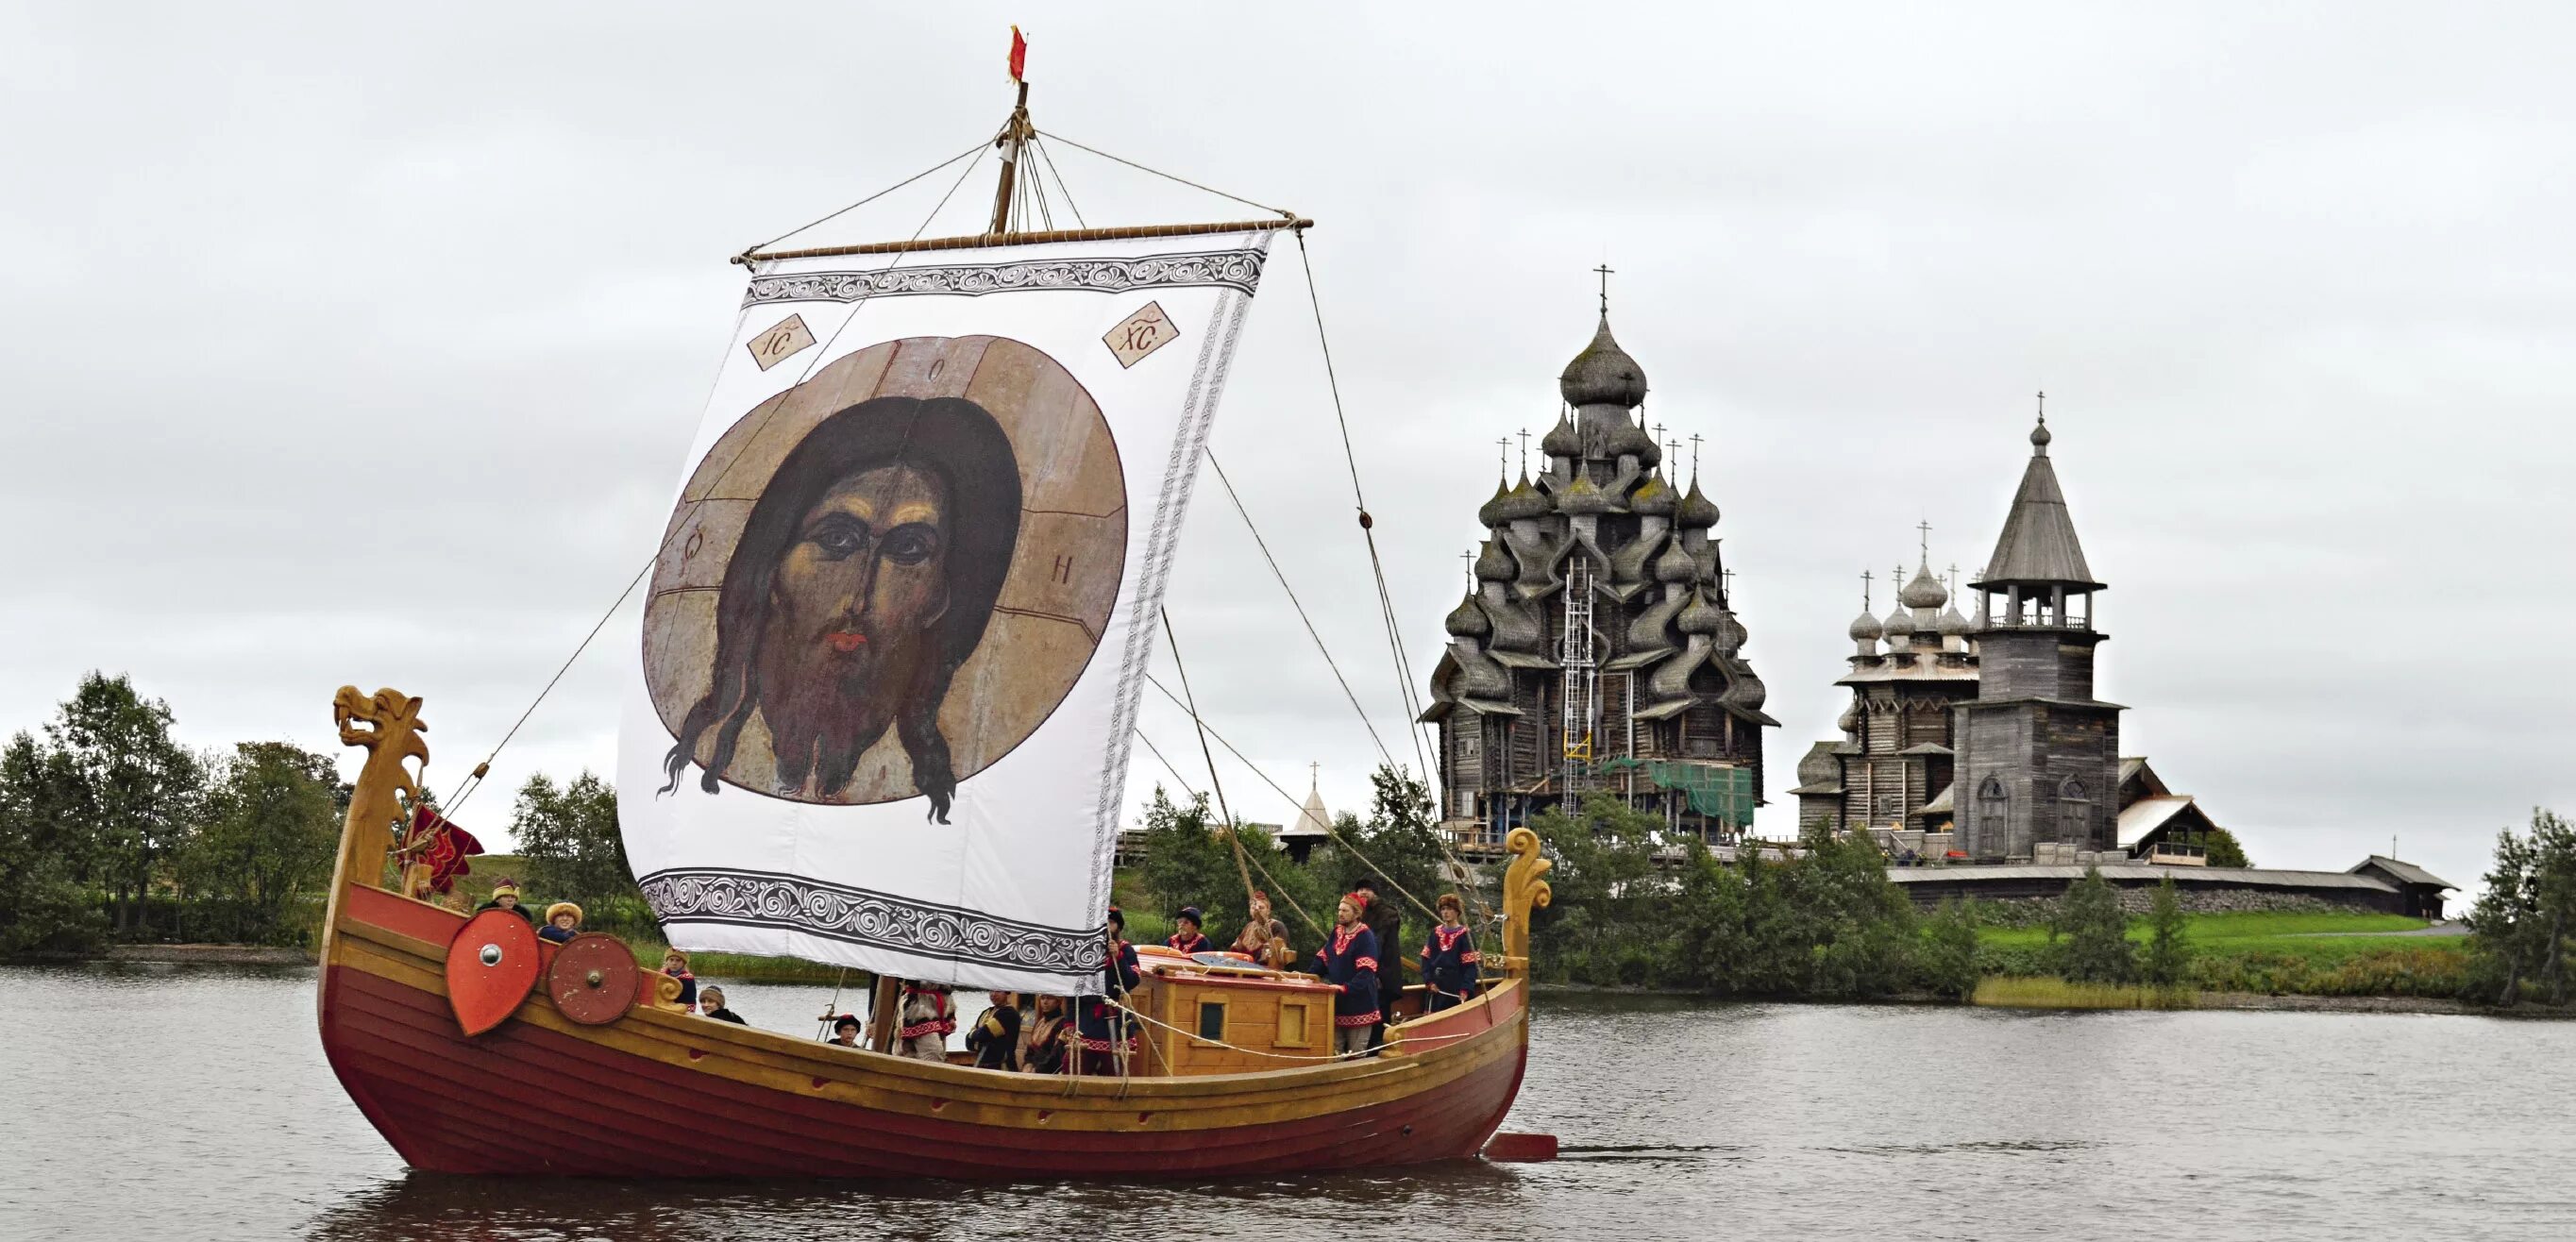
438, 843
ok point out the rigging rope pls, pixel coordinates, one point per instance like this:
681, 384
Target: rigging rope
474, 783
1232, 837
1060, 186
1300, 606
977, 149
1329, 829
1280, 211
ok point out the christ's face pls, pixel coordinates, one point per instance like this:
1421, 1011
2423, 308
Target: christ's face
852, 610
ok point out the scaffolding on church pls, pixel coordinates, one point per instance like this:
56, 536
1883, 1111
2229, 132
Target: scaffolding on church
1720, 792
1582, 679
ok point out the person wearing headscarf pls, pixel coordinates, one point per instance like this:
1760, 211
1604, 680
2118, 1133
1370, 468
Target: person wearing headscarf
1106, 1035
1264, 939
1187, 938
1449, 958
929, 1018
563, 922
1349, 961
505, 896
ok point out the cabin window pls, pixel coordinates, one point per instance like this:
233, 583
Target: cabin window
1296, 1024
1212, 1020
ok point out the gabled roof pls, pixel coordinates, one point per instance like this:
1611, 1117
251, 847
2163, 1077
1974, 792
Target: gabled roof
2142, 818
1942, 803
2402, 872
2038, 543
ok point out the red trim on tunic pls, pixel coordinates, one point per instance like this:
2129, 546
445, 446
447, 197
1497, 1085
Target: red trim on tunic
1358, 1019
1365, 963
1103, 1045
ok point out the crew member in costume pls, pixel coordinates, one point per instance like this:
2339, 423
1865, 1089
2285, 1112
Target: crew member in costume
995, 1037
505, 896
1042, 1050
1188, 939
1349, 960
1106, 1035
929, 1017
1264, 939
1449, 959
563, 920
845, 1030
676, 965
1387, 924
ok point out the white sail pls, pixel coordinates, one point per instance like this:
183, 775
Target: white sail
901, 614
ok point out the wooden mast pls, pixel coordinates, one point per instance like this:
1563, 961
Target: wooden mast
1016, 133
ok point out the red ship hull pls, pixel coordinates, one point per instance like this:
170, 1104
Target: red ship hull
664, 1094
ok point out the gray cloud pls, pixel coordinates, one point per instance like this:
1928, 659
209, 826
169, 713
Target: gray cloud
347, 345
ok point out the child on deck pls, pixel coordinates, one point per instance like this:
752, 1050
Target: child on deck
563, 920
928, 1020
676, 965
714, 1006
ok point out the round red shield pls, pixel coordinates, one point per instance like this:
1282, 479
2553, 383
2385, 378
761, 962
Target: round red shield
593, 980
491, 967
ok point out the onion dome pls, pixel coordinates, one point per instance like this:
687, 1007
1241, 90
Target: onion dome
1850, 722
1493, 564
1732, 637
1562, 440
1900, 624
1581, 496
1864, 628
1697, 617
1603, 374
1696, 512
1631, 440
1468, 621
1524, 501
2039, 436
1951, 624
1925, 591
1491, 512
1746, 692
1653, 498
1675, 565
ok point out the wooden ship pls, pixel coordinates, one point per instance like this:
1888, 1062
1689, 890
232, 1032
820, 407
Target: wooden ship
474, 1047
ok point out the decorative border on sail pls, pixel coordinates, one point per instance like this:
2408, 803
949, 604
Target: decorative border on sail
857, 916
1239, 270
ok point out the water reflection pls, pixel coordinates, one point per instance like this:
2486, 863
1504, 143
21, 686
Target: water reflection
192, 1103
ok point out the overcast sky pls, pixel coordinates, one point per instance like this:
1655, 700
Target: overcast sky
361, 344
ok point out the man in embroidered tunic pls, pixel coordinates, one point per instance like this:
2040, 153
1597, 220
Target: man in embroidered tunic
1104, 1032
928, 1019
1449, 958
1349, 960
1187, 939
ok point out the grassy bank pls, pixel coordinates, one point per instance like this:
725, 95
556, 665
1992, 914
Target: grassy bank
2274, 954
2050, 992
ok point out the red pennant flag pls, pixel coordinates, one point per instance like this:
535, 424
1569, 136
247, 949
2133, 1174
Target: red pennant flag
1019, 56
438, 842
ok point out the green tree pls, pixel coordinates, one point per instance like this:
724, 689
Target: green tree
266, 842
2224, 850
2168, 955
1188, 862
2088, 940
43, 905
130, 792
1610, 917
1858, 927
1946, 960
1709, 947
569, 836
2519, 927
1400, 841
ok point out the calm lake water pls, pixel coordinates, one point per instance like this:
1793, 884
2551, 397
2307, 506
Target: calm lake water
177, 1103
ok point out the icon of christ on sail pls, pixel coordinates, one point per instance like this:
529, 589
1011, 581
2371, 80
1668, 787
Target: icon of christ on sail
868, 571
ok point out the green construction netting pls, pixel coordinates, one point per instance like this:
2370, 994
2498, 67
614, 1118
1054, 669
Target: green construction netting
1720, 792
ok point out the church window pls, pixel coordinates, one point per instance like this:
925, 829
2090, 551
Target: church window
2074, 811
1990, 798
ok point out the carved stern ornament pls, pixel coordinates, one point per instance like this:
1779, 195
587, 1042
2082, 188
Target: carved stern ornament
1523, 891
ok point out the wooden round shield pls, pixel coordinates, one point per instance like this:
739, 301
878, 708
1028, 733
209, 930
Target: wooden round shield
491, 967
594, 980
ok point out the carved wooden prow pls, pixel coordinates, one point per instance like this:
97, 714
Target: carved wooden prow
1524, 890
